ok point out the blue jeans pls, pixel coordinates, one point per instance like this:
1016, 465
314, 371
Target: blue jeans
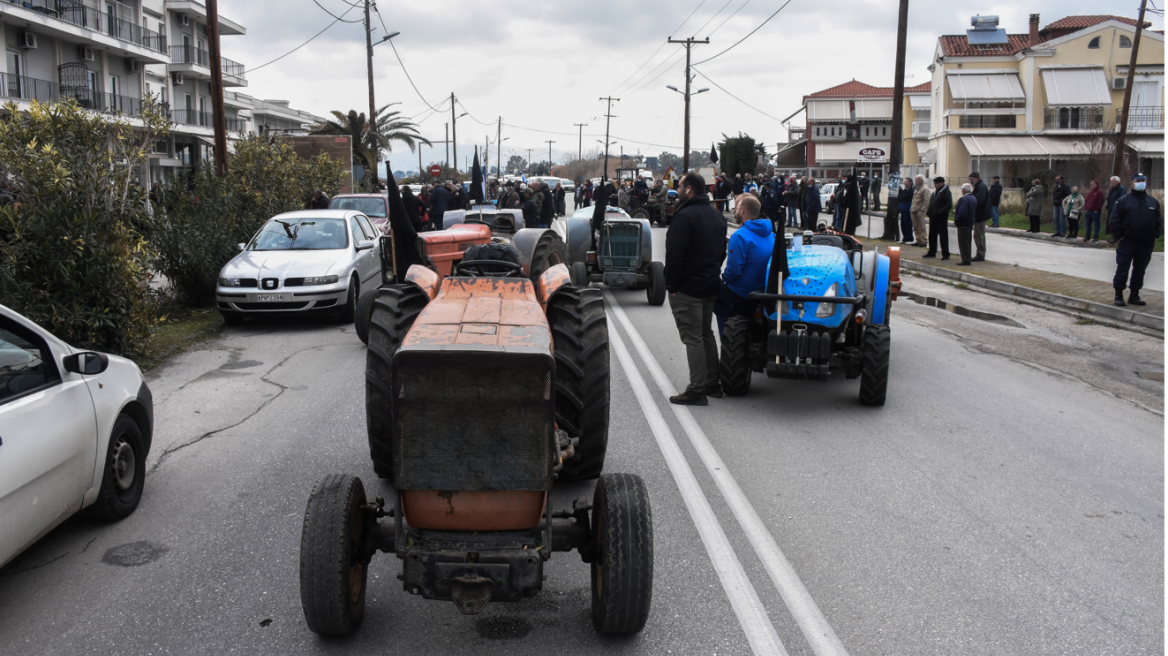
1092, 220
1060, 220
792, 217
994, 213
838, 221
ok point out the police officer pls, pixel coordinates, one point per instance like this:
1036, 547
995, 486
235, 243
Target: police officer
1137, 223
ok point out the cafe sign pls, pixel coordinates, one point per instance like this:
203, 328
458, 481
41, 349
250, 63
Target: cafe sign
873, 155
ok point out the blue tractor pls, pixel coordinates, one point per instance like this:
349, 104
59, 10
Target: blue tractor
826, 308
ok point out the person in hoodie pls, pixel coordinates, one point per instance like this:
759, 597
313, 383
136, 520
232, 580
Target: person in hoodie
1092, 208
746, 262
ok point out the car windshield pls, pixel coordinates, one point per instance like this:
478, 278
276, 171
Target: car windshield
307, 234
373, 207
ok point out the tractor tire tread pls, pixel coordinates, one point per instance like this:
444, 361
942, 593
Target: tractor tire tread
394, 310
624, 558
325, 556
875, 356
734, 370
580, 334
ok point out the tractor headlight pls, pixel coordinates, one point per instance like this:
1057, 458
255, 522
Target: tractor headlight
827, 309
322, 280
229, 282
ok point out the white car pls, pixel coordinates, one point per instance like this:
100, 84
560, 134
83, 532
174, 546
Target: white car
75, 430
311, 261
826, 191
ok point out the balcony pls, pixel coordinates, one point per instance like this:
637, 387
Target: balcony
189, 55
1073, 118
191, 117
1142, 118
196, 62
17, 87
236, 124
990, 121
75, 13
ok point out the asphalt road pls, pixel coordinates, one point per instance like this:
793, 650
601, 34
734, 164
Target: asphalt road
1008, 499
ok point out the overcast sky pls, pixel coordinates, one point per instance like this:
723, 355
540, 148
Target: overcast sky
542, 65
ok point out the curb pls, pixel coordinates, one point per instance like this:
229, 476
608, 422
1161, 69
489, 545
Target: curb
1111, 312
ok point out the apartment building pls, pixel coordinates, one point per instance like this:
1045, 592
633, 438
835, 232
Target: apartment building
1016, 104
108, 54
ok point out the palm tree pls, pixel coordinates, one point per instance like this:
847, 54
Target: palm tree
390, 127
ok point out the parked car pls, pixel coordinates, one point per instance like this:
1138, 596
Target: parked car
373, 206
75, 430
826, 196
311, 261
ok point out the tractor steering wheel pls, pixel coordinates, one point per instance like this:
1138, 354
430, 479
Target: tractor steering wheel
477, 268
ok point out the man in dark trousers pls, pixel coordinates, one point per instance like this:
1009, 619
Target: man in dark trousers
695, 248
851, 206
547, 210
938, 213
812, 205
1060, 192
876, 182
964, 219
981, 216
995, 200
1137, 223
865, 185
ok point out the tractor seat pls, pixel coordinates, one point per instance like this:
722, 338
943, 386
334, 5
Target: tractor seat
827, 240
493, 253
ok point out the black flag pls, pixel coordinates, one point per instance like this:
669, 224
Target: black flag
713, 153
476, 180
405, 237
778, 262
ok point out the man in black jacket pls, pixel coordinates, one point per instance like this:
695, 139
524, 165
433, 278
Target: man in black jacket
695, 248
1137, 223
547, 210
995, 200
1060, 192
982, 217
938, 213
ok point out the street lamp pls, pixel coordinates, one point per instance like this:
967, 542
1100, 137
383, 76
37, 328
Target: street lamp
687, 94
372, 123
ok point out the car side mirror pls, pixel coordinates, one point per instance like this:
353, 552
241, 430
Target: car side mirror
240, 247
87, 363
365, 244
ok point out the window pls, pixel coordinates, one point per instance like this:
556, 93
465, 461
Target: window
886, 132
1094, 44
1124, 42
15, 71
370, 231
115, 87
203, 110
26, 363
867, 132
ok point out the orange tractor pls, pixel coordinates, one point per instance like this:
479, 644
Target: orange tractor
486, 380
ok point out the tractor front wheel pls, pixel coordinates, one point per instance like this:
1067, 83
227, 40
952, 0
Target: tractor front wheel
655, 292
875, 355
394, 310
580, 337
333, 571
622, 566
734, 368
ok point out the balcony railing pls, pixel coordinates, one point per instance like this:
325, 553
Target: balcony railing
1073, 118
1000, 121
189, 55
106, 103
232, 68
236, 124
17, 87
77, 13
191, 117
1142, 118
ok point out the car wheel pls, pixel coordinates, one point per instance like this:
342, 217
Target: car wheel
333, 570
351, 301
124, 474
232, 319
622, 566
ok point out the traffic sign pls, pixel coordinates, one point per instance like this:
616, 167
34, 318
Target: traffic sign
435, 170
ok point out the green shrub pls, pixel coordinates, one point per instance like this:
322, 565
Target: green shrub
738, 156
196, 231
73, 255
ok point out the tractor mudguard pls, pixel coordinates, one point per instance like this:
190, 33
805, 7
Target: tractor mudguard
881, 291
426, 279
527, 241
646, 242
552, 280
578, 237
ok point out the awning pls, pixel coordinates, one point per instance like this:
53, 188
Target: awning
1147, 147
1076, 87
995, 87
850, 151
874, 110
1027, 147
920, 102
828, 110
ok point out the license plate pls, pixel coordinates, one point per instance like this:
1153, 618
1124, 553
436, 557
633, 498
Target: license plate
263, 298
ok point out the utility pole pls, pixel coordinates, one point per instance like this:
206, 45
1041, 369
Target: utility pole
447, 142
689, 44
1121, 141
499, 148
607, 122
454, 130
371, 122
580, 148
896, 148
529, 158
549, 143
218, 118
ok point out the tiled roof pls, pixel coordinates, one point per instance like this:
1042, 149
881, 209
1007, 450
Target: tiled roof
857, 89
957, 45
1081, 22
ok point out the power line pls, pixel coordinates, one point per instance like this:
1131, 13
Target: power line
734, 96
745, 37
403, 67
472, 116
325, 10
728, 18
256, 68
650, 58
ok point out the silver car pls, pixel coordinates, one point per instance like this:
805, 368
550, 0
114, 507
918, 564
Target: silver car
313, 261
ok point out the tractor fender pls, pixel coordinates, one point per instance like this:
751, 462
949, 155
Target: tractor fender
646, 242
578, 237
525, 241
881, 291
452, 217
894, 270
426, 279
552, 280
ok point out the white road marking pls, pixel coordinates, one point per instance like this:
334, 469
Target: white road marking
760, 633
814, 625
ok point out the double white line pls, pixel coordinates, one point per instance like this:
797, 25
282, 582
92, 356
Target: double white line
759, 629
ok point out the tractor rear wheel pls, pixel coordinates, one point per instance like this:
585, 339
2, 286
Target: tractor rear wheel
333, 571
875, 355
734, 368
622, 567
655, 292
394, 310
580, 275
549, 251
580, 336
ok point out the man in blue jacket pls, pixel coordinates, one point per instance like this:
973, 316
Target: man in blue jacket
812, 206
439, 203
746, 262
1137, 222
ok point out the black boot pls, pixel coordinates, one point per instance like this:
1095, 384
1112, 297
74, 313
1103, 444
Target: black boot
1134, 298
688, 398
1119, 299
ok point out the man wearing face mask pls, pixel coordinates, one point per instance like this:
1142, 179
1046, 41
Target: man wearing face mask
1137, 223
